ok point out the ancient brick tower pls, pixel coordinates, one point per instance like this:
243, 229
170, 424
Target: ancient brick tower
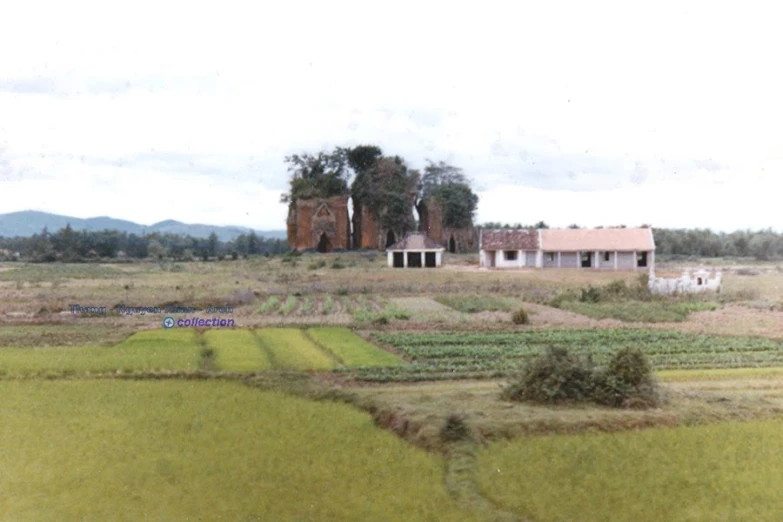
459, 240
321, 224
367, 230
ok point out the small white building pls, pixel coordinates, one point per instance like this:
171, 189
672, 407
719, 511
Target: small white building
596, 248
415, 251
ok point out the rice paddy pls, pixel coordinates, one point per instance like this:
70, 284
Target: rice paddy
176, 450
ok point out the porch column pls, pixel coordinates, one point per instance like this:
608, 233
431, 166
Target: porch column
596, 260
404, 259
615, 259
438, 258
651, 262
635, 262
539, 258
390, 258
579, 260
558, 260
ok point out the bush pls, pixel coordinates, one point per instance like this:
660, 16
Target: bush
557, 377
554, 377
455, 429
628, 381
520, 317
591, 294
316, 265
338, 264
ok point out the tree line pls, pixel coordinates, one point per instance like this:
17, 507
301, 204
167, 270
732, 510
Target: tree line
69, 245
763, 245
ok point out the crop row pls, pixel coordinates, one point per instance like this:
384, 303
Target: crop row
487, 355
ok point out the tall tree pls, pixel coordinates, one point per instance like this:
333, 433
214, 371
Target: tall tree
451, 189
322, 175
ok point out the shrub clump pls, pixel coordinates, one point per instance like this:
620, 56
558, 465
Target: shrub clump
520, 317
455, 429
554, 377
627, 381
558, 377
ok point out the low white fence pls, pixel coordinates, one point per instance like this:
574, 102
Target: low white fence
690, 282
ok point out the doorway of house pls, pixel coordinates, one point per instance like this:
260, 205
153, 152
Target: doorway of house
587, 259
323, 244
398, 260
414, 259
390, 239
429, 260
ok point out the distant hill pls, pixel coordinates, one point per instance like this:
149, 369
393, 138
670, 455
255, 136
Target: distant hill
30, 222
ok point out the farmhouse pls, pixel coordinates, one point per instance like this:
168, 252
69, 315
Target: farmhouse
415, 251
597, 248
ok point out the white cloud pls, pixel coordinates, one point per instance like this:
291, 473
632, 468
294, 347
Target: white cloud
561, 100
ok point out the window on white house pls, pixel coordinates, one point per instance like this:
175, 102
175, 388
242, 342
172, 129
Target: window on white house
641, 259
550, 257
511, 255
606, 256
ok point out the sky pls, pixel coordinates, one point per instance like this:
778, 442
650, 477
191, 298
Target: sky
594, 113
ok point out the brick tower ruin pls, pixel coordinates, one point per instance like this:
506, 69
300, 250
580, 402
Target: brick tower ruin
454, 240
320, 224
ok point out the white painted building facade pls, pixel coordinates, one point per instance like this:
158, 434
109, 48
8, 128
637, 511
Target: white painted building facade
608, 249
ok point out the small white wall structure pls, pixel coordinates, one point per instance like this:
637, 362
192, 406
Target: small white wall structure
697, 281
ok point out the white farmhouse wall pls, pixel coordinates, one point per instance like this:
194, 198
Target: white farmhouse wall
626, 261
569, 260
602, 263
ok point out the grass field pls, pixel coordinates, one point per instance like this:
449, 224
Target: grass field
175, 450
237, 351
289, 348
352, 350
705, 473
154, 350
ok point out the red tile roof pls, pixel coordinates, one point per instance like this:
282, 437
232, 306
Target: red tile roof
509, 239
602, 239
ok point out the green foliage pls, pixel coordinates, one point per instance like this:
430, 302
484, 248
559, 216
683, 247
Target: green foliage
554, 377
450, 188
557, 376
591, 294
520, 317
384, 186
628, 381
455, 429
315, 265
338, 264
322, 175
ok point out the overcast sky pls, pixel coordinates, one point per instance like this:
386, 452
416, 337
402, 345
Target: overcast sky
587, 112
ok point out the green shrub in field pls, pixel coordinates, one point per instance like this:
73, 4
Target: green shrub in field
520, 317
338, 264
315, 265
270, 305
591, 294
455, 429
557, 377
554, 377
627, 381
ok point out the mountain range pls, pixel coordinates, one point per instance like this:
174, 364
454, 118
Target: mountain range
30, 222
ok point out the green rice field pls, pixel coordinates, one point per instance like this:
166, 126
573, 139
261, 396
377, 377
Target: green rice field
724, 472
208, 450
183, 350
352, 350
